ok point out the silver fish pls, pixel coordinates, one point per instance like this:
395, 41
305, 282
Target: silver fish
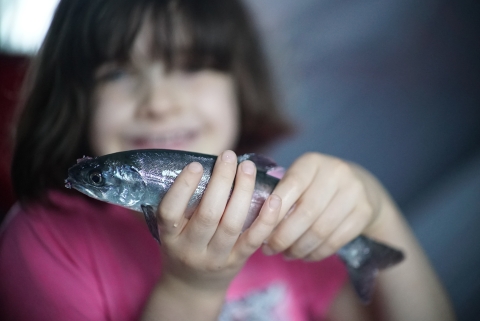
139, 179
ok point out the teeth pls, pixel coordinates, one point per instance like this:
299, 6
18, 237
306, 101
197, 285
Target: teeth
168, 138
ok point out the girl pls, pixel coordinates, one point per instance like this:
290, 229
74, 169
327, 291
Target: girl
131, 74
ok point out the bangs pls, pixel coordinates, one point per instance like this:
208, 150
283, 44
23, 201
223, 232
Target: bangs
189, 35
84, 34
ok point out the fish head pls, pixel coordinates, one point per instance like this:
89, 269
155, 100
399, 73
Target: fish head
108, 180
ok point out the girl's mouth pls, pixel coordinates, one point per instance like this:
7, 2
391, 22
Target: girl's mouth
169, 140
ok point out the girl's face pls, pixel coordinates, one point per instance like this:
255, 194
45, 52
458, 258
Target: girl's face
141, 106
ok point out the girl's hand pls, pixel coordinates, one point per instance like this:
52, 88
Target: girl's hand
329, 203
206, 251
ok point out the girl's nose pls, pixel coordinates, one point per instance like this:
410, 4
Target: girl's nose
158, 99
158, 95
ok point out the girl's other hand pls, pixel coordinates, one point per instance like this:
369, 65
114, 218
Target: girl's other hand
206, 251
327, 202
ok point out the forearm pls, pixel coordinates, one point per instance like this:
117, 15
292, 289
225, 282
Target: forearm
172, 300
410, 290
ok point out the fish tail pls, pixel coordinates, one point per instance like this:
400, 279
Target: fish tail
364, 258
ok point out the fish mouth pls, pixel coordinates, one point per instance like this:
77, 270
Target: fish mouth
72, 184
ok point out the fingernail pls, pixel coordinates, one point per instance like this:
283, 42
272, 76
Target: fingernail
248, 167
195, 167
228, 156
274, 202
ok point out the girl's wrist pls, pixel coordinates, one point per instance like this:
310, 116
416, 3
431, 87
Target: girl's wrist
387, 220
383, 220
213, 289
385, 209
180, 299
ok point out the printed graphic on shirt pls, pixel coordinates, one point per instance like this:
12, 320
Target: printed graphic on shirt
264, 305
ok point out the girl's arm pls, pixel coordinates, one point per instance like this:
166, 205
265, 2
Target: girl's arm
201, 255
408, 291
335, 201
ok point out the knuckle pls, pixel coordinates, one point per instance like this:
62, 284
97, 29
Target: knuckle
333, 244
226, 176
295, 181
185, 182
319, 231
245, 187
365, 210
303, 247
357, 188
277, 243
305, 211
252, 244
298, 251
207, 218
341, 168
186, 260
231, 230
269, 221
165, 210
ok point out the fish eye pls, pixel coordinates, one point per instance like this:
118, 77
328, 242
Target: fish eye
96, 178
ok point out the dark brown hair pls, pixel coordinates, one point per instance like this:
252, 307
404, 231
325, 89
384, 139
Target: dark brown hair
53, 126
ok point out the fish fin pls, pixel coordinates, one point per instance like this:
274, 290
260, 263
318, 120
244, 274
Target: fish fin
262, 162
276, 172
151, 220
363, 280
84, 158
364, 258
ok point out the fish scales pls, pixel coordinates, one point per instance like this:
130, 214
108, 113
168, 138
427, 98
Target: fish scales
139, 180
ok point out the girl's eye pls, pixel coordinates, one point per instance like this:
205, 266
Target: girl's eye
113, 71
96, 178
113, 75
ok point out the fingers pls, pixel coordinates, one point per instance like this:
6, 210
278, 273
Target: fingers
330, 208
295, 181
233, 218
261, 228
306, 211
205, 220
325, 223
171, 211
350, 228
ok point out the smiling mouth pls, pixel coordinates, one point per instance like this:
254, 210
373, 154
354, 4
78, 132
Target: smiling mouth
167, 140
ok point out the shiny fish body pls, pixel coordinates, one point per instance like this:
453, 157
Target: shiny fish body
139, 179
133, 179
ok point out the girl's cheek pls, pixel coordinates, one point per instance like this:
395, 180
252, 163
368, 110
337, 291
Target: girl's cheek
118, 91
221, 109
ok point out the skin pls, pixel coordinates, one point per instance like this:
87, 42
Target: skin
329, 201
139, 105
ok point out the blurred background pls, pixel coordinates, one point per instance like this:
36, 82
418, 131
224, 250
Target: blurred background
392, 85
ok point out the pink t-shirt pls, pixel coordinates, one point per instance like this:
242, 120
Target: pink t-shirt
87, 260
